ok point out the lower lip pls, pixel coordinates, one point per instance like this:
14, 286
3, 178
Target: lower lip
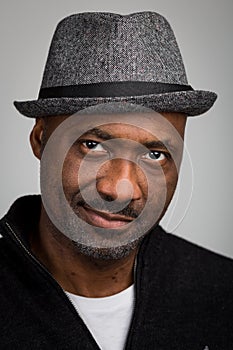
94, 219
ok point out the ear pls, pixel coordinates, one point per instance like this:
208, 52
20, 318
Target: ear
36, 137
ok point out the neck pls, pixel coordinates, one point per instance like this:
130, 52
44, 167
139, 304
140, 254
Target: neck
78, 273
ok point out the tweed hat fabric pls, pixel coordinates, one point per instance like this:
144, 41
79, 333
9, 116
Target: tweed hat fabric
104, 57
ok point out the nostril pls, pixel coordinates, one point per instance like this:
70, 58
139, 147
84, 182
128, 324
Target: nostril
106, 197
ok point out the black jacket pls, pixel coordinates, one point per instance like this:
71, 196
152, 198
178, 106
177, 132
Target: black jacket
184, 295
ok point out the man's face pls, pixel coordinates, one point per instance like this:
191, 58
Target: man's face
110, 174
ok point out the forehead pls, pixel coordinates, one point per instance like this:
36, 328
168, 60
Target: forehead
133, 126
126, 131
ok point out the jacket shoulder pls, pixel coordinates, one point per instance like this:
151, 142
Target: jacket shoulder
188, 261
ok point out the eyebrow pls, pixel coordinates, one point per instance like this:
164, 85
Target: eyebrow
104, 135
157, 144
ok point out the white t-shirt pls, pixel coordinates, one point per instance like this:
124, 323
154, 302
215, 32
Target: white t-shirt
107, 318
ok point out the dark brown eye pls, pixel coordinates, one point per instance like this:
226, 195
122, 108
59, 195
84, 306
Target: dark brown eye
155, 155
94, 146
90, 144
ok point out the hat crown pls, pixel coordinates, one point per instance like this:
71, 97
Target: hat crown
100, 57
104, 47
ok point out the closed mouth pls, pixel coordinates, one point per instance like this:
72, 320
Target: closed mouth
102, 218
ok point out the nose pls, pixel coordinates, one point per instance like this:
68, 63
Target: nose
120, 179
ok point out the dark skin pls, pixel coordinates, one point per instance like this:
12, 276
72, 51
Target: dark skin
75, 272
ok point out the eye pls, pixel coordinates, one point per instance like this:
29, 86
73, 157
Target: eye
93, 146
155, 156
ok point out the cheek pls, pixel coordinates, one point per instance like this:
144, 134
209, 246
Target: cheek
165, 185
70, 173
171, 181
77, 172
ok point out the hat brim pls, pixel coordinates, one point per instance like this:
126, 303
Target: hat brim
191, 103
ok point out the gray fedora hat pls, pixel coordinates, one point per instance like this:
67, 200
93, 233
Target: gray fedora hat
105, 57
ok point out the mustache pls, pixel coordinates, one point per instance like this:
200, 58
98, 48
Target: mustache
129, 209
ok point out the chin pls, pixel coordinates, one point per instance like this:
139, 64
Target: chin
111, 253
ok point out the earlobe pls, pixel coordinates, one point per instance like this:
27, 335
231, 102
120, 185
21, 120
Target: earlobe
36, 138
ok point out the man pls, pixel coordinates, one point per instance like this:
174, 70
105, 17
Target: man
88, 266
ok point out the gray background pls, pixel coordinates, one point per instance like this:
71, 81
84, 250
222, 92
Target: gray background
204, 30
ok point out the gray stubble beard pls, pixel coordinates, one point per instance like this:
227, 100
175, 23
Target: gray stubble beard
108, 253
114, 253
